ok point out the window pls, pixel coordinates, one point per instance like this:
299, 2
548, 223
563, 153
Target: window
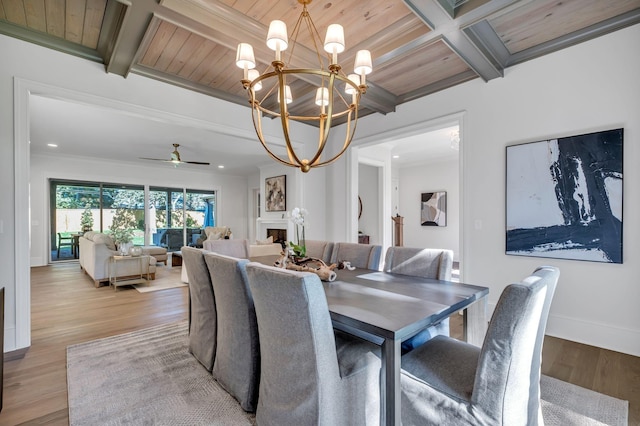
176, 215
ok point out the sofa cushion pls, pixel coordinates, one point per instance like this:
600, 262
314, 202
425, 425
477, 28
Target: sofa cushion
104, 239
216, 232
266, 242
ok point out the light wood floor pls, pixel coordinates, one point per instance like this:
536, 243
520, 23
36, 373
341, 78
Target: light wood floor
67, 309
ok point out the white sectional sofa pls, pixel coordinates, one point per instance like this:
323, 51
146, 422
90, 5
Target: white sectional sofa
95, 250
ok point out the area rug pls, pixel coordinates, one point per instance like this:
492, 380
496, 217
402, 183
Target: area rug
145, 377
148, 377
143, 288
567, 404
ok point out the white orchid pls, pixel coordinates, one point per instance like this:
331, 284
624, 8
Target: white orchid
297, 217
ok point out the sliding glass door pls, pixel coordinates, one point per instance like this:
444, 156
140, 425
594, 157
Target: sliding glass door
179, 215
73, 206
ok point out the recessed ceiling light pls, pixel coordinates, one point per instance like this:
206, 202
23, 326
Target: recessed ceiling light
396, 156
52, 145
221, 166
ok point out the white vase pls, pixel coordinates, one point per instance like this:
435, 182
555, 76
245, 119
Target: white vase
124, 248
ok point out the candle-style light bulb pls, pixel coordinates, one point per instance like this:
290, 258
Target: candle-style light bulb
334, 41
245, 58
277, 39
363, 65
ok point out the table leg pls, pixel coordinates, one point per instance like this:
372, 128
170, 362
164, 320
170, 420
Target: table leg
390, 392
475, 322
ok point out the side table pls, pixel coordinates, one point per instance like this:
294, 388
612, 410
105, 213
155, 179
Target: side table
141, 278
176, 258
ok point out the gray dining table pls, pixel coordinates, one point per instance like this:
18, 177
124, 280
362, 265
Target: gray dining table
387, 309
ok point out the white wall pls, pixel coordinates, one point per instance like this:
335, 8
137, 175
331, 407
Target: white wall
413, 181
588, 87
231, 207
368, 191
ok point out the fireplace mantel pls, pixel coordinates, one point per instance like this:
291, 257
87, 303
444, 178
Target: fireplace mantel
262, 224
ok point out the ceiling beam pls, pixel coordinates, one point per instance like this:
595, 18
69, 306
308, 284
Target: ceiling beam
440, 85
443, 25
180, 82
42, 39
132, 19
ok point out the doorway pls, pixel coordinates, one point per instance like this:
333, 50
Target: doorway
421, 159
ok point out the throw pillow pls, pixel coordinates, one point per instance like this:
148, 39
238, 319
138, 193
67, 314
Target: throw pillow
106, 240
266, 242
215, 236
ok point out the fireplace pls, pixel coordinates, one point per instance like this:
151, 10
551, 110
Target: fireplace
279, 236
280, 229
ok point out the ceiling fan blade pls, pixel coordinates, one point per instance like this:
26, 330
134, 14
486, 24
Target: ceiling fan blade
153, 159
175, 158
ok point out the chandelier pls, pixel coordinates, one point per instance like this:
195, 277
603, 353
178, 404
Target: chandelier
319, 99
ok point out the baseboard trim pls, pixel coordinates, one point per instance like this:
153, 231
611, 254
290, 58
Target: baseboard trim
17, 354
595, 334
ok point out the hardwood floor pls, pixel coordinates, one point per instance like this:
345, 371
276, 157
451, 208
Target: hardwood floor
67, 309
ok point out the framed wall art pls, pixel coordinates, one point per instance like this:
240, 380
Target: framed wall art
433, 208
275, 194
564, 198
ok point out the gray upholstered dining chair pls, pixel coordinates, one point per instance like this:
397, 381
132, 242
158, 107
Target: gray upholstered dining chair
202, 308
319, 249
366, 256
309, 375
237, 363
426, 263
237, 248
446, 381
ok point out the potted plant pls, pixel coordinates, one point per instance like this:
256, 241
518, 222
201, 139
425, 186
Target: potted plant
122, 228
86, 220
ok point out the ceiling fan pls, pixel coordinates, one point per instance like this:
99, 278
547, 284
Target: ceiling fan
175, 158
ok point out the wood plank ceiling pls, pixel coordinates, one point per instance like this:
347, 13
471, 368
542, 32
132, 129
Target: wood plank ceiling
419, 46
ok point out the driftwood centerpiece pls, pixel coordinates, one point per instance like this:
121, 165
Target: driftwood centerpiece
307, 264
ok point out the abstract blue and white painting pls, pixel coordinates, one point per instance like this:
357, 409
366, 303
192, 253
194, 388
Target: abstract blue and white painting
564, 198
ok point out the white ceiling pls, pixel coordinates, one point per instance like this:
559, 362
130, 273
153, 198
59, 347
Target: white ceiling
420, 149
99, 132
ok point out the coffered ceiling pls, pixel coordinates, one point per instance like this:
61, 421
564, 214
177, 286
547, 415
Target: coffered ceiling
418, 46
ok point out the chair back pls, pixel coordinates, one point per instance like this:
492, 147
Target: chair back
366, 256
425, 263
202, 308
511, 350
297, 347
550, 275
319, 249
237, 362
234, 248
